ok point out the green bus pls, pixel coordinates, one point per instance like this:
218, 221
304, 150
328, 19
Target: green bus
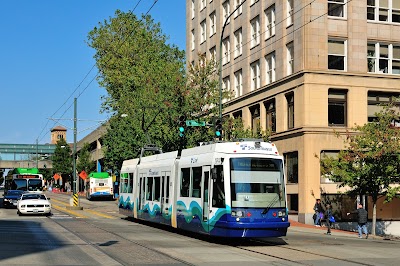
99, 185
26, 179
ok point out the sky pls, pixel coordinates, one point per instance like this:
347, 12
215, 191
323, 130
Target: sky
45, 61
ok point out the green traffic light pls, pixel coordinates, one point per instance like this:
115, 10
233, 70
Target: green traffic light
181, 129
218, 133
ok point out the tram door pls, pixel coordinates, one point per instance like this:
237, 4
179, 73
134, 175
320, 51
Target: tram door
206, 193
165, 192
141, 192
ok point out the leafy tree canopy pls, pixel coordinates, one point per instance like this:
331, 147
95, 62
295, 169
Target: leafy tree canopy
148, 88
370, 163
84, 163
62, 159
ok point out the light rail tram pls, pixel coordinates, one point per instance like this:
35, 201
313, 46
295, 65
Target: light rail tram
225, 189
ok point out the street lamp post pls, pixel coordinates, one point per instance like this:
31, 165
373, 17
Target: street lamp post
220, 57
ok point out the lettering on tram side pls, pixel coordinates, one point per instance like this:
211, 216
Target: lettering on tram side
245, 147
153, 172
194, 160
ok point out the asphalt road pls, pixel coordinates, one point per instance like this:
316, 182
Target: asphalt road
98, 235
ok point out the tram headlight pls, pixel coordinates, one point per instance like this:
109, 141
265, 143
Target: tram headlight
281, 213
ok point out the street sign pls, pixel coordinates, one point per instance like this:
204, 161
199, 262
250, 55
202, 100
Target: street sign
194, 123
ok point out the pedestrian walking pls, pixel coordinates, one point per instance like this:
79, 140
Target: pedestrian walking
319, 211
362, 219
329, 216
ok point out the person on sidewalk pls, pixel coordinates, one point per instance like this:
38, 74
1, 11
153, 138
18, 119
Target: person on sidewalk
328, 216
362, 219
318, 211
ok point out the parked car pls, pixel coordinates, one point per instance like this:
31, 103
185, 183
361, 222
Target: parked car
11, 197
33, 203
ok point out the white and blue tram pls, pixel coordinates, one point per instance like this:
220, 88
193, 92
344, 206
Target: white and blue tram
231, 189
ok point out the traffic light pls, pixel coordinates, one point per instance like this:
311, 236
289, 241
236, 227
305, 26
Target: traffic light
182, 125
218, 128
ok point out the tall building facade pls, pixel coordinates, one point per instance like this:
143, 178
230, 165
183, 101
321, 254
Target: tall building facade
302, 69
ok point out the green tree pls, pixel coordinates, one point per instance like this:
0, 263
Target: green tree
84, 163
62, 160
143, 77
235, 129
371, 161
146, 82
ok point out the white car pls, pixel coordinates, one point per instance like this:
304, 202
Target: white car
33, 203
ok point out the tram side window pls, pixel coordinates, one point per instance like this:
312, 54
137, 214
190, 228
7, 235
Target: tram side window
124, 183
130, 186
157, 189
196, 187
185, 182
218, 199
149, 189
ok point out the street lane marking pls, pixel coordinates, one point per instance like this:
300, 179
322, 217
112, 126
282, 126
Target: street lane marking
86, 210
100, 214
62, 209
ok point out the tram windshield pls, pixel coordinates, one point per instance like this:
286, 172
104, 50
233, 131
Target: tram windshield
257, 182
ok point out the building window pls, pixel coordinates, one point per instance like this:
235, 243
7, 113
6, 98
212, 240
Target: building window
213, 20
290, 58
396, 59
255, 119
226, 87
325, 179
293, 203
238, 42
290, 113
377, 100
193, 40
271, 115
337, 54
203, 31
255, 75
213, 53
270, 22
383, 10
255, 31
193, 8
238, 84
336, 8
225, 11
239, 10
337, 101
203, 4
226, 51
292, 166
383, 58
270, 67
203, 60
289, 12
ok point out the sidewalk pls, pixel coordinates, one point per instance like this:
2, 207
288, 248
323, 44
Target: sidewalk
323, 229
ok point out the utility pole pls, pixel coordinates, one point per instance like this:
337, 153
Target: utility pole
75, 196
74, 152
